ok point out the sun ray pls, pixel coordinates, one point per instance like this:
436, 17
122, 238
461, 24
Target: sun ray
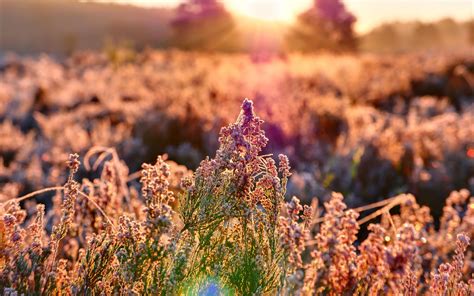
270, 10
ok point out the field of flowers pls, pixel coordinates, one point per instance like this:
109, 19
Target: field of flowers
216, 213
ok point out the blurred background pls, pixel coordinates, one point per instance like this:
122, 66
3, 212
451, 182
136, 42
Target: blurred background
64, 26
370, 98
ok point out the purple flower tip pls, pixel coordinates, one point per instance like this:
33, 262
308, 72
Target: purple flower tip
247, 107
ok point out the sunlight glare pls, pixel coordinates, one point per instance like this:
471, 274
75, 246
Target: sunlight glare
270, 10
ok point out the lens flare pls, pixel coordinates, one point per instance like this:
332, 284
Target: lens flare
270, 10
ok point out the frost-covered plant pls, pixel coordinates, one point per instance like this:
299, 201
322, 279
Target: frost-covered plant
227, 229
231, 210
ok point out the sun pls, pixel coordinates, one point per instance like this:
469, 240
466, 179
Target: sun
269, 10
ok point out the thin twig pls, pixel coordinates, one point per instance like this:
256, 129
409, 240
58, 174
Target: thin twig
366, 207
389, 204
374, 205
397, 201
37, 192
394, 228
134, 176
34, 193
99, 208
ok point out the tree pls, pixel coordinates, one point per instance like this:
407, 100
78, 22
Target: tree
425, 35
384, 38
202, 25
325, 25
470, 31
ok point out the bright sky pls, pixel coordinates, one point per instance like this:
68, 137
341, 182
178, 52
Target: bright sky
368, 12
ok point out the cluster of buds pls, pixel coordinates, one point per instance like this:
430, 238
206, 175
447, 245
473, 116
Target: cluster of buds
71, 191
449, 276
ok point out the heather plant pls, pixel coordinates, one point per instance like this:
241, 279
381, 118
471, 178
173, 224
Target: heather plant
401, 123
227, 229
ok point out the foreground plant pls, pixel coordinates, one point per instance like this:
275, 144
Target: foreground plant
227, 230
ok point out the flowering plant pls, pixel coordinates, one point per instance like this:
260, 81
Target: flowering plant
227, 229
